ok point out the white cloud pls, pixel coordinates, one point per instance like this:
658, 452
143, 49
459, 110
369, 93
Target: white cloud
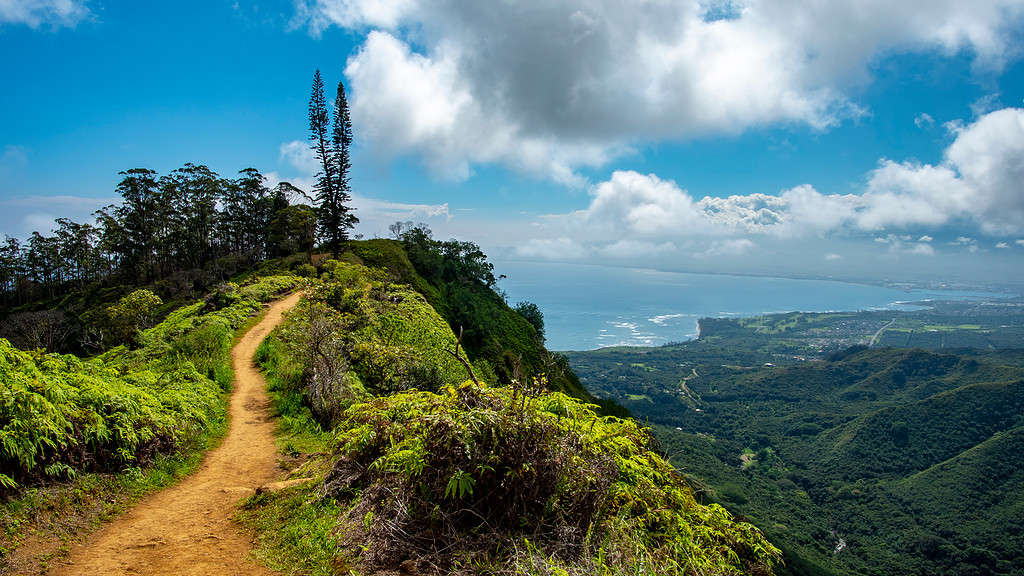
833, 257
920, 249
34, 13
977, 184
924, 120
985, 104
299, 156
626, 249
393, 211
976, 187
979, 180
406, 103
1002, 245
547, 88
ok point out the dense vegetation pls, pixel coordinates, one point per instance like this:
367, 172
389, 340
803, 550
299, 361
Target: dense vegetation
420, 463
457, 281
178, 235
873, 461
161, 394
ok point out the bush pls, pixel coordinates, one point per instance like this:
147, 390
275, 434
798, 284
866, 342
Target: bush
467, 476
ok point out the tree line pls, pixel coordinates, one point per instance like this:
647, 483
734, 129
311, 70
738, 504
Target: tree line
163, 225
192, 219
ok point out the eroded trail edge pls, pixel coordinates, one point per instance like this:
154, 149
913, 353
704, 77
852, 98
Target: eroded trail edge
188, 528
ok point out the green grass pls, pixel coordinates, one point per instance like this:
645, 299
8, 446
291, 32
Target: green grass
296, 531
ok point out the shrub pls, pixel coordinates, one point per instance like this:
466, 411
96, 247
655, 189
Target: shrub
468, 475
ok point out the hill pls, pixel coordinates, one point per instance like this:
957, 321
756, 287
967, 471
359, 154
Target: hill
872, 461
414, 446
411, 454
82, 438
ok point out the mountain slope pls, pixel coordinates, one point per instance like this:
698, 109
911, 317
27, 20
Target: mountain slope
414, 471
877, 461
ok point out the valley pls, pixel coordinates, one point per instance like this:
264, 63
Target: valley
854, 460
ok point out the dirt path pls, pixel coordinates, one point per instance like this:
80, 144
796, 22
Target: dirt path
187, 529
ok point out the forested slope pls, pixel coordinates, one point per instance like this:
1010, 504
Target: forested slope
874, 461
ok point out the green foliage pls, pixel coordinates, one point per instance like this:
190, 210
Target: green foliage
480, 469
423, 468
908, 458
296, 531
132, 314
385, 336
531, 312
60, 416
457, 282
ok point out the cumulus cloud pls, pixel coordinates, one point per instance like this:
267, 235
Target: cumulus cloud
977, 184
35, 13
551, 249
547, 88
978, 180
975, 187
729, 247
924, 120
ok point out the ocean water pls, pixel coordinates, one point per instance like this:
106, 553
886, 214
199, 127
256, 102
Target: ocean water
587, 307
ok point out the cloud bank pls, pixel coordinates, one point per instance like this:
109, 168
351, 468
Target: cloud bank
904, 207
550, 87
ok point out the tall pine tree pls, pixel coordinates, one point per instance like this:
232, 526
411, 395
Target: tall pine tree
331, 149
320, 142
341, 137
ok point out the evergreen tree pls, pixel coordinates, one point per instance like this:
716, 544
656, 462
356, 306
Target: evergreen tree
320, 138
342, 218
331, 146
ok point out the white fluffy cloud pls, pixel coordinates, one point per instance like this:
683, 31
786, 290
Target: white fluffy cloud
34, 13
548, 87
903, 205
979, 180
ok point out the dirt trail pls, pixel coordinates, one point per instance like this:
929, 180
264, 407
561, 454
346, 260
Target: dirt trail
188, 528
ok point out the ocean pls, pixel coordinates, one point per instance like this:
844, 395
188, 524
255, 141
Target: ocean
587, 306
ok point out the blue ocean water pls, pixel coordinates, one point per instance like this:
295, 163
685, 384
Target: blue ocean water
587, 307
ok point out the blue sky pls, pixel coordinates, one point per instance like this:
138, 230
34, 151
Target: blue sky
860, 141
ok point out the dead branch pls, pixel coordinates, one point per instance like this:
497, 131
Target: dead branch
461, 358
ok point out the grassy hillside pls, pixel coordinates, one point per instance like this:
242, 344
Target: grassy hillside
879, 461
418, 468
116, 425
492, 331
